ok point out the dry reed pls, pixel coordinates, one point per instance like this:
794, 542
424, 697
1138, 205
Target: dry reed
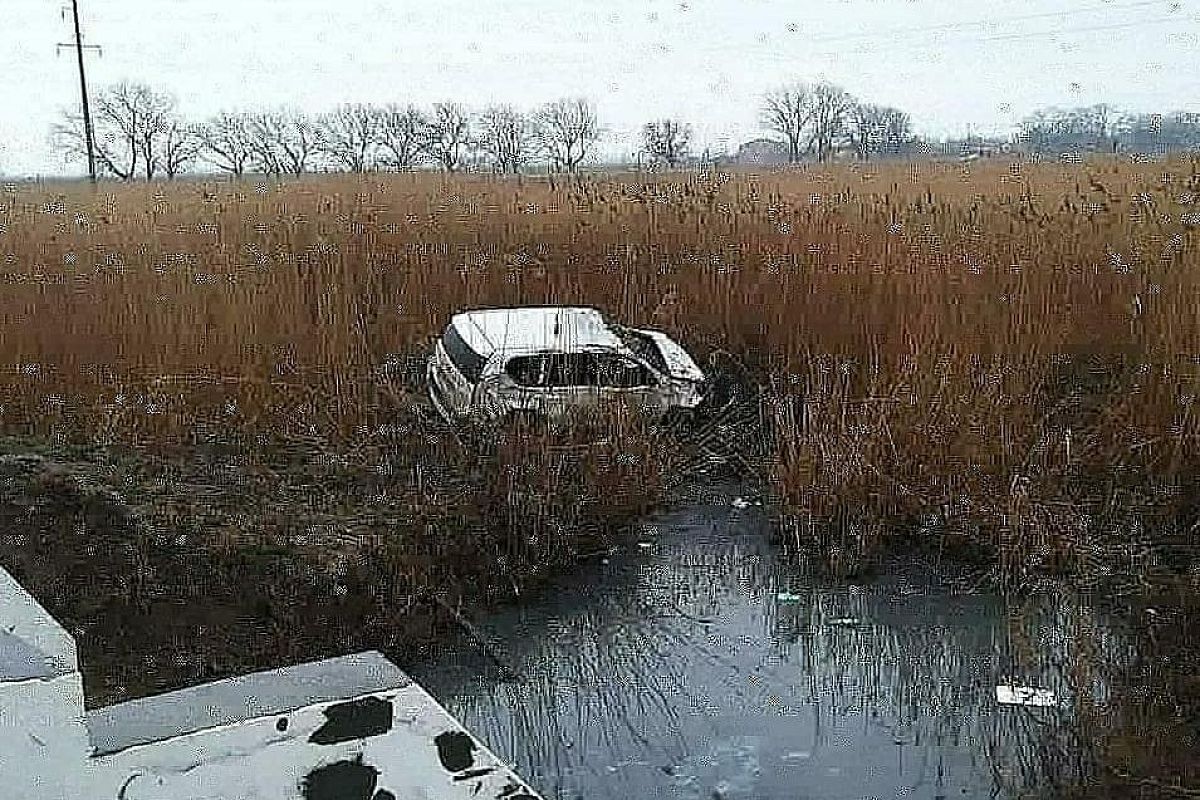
1000, 358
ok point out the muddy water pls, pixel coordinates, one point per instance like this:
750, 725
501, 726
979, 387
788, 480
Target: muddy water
698, 664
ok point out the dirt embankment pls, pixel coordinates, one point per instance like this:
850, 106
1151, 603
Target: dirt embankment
172, 570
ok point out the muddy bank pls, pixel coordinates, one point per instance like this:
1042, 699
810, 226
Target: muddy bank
176, 570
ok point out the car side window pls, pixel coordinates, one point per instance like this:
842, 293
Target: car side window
569, 369
621, 373
527, 370
564, 370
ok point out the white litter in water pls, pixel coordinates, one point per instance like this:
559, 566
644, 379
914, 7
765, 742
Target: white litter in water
845, 622
788, 597
740, 502
645, 545
1024, 696
797, 755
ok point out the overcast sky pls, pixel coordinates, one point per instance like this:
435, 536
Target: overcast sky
705, 61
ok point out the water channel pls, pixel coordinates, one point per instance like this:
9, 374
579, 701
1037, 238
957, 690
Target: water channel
699, 663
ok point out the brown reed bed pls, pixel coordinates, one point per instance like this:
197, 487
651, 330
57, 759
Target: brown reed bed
998, 360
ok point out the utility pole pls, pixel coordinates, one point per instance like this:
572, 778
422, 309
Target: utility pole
87, 113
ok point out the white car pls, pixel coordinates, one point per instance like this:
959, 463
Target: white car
549, 362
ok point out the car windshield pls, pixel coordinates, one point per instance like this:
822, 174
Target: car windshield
643, 347
551, 370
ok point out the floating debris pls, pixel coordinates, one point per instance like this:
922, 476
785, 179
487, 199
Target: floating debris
1024, 696
645, 545
788, 597
745, 502
845, 622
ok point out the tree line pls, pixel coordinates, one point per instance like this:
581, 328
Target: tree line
1103, 128
822, 120
139, 132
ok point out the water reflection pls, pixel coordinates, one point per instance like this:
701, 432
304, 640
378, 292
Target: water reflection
699, 666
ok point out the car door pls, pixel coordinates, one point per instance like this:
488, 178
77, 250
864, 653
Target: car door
570, 387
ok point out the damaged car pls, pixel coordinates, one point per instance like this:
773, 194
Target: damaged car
548, 363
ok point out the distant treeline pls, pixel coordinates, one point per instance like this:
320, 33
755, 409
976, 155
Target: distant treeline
1102, 128
138, 132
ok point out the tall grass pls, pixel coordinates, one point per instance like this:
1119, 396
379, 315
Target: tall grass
966, 316
937, 340
998, 358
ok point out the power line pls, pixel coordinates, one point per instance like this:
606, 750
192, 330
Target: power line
1008, 37
1086, 29
997, 38
87, 113
952, 26
764, 49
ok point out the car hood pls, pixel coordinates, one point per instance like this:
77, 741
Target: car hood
679, 363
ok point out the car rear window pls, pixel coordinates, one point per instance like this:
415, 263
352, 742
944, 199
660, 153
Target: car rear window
468, 362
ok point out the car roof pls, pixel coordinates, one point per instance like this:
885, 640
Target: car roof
533, 328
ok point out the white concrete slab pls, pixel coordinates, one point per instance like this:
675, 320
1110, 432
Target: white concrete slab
23, 617
227, 702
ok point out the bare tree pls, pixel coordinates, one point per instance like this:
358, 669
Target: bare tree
877, 130
449, 135
348, 136
181, 144
129, 121
667, 141
159, 123
283, 141
228, 142
830, 106
403, 135
265, 129
507, 138
788, 112
567, 131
